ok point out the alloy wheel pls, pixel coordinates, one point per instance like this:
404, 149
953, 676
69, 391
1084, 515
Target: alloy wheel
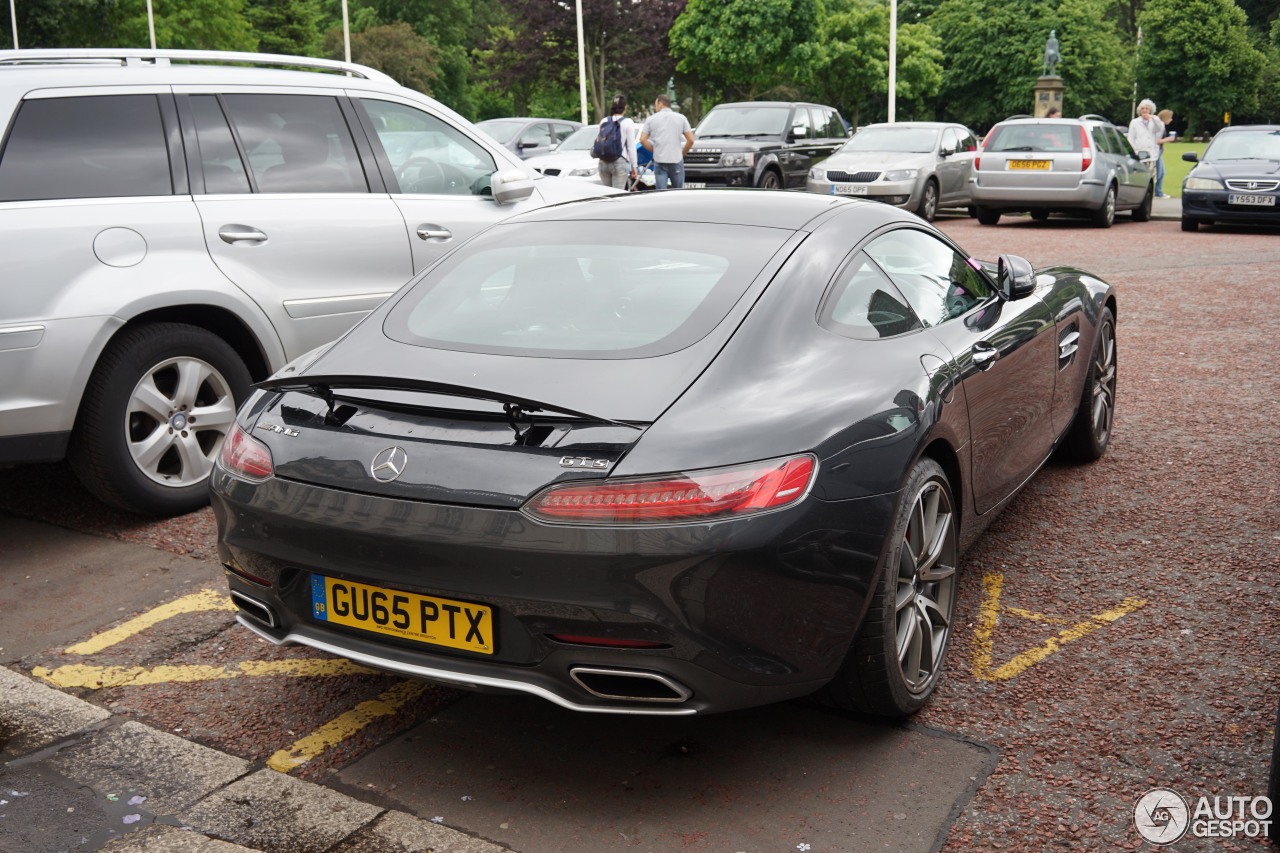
176, 419
1104, 383
926, 587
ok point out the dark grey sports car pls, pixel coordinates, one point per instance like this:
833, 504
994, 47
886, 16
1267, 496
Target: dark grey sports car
664, 454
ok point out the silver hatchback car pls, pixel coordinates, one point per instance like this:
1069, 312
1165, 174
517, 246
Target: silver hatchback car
1078, 166
176, 225
921, 166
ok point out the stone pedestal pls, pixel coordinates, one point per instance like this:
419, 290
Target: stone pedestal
1048, 94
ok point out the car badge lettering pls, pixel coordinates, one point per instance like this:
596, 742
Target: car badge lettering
280, 430
583, 462
389, 464
1253, 185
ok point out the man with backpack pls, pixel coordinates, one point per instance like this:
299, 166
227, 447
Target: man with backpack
615, 146
667, 134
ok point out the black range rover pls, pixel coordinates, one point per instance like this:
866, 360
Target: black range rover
770, 144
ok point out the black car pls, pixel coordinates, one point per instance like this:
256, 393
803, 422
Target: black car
767, 144
730, 464
1236, 180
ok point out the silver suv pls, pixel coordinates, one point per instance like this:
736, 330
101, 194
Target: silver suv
175, 227
1078, 166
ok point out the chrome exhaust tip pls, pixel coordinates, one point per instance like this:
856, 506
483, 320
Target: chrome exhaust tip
629, 685
254, 609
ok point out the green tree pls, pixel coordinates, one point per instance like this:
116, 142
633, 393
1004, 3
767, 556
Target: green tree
394, 49
188, 25
852, 69
287, 26
1198, 58
747, 47
994, 52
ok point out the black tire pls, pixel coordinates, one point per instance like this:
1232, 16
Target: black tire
1095, 417
196, 379
872, 679
987, 216
1104, 216
928, 207
770, 180
1039, 215
1142, 213
1189, 224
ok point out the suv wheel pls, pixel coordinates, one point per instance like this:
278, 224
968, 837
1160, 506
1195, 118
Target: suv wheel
928, 209
770, 181
157, 407
1105, 215
987, 216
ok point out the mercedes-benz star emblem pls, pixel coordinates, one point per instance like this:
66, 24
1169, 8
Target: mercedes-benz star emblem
388, 464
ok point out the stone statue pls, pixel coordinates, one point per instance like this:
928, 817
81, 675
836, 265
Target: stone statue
1051, 55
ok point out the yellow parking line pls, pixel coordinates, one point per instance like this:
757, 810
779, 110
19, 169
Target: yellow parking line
344, 726
1035, 617
209, 599
100, 677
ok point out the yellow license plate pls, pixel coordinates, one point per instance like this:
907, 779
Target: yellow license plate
1029, 164
422, 618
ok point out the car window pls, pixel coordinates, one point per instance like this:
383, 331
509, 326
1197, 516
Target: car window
1244, 145
536, 136
1102, 140
864, 304
951, 140
223, 169
296, 143
827, 123
594, 290
915, 140
938, 282
801, 126
427, 155
968, 142
86, 147
743, 121
1124, 148
561, 132
1034, 136
581, 139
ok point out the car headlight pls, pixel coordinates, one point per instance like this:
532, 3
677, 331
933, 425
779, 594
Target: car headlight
1202, 184
747, 159
900, 174
583, 172
818, 174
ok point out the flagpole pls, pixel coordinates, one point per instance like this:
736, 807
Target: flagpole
151, 25
893, 60
582, 67
13, 19
346, 32
1133, 104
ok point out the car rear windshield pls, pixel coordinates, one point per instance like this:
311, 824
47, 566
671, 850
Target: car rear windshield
1034, 136
912, 140
584, 289
743, 122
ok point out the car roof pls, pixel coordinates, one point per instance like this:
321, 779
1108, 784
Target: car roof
526, 119
1265, 128
770, 104
920, 124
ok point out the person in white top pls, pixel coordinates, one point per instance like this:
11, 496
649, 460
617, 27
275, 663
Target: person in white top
1146, 130
618, 173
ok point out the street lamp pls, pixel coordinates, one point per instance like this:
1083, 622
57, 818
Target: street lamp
893, 60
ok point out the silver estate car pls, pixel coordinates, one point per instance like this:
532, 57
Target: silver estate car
918, 165
1077, 166
175, 227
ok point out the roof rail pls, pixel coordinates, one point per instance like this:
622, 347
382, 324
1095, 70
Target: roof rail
1094, 117
1019, 115
140, 56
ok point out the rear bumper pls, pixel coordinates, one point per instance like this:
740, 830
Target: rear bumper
739, 613
1083, 196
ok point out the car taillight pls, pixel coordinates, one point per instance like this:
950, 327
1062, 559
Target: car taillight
986, 140
245, 456
1086, 153
688, 496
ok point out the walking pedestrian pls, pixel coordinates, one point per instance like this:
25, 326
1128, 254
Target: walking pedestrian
668, 135
617, 168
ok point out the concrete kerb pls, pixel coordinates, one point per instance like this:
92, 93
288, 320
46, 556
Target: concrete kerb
158, 792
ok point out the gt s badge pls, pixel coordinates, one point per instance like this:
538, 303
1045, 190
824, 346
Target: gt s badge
280, 430
582, 462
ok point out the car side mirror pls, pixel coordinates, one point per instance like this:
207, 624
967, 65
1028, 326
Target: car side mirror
523, 144
1142, 155
1015, 276
799, 132
510, 186
948, 151
1191, 157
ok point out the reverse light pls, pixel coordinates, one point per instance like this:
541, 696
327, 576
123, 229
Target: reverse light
705, 495
245, 457
1086, 151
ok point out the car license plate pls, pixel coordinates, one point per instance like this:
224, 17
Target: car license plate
848, 189
695, 185
1039, 165
422, 618
1257, 200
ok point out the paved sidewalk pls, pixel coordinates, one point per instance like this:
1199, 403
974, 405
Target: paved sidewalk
76, 777
1168, 207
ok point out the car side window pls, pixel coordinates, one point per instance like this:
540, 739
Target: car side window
1124, 148
951, 140
220, 161
427, 155
297, 143
968, 142
801, 126
561, 132
536, 136
99, 146
939, 283
864, 304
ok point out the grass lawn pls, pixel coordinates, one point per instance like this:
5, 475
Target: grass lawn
1175, 168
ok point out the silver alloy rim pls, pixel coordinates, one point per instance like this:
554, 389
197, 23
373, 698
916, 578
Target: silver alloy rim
1104, 383
176, 419
1111, 205
926, 587
930, 201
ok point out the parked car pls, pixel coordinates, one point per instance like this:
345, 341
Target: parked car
1236, 180
728, 464
176, 225
918, 165
768, 144
572, 159
529, 137
1077, 166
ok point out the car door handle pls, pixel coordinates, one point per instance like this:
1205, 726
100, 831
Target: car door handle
241, 234
434, 232
985, 355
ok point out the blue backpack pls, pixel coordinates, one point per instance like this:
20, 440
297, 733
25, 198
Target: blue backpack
608, 144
